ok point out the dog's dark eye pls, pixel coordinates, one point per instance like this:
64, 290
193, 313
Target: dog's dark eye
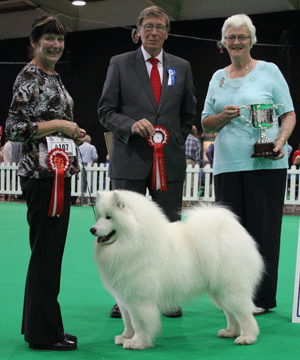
108, 217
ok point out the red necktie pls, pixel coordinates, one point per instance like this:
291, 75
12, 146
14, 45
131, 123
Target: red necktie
155, 79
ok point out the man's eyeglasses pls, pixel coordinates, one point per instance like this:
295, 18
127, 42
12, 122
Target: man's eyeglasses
150, 27
241, 38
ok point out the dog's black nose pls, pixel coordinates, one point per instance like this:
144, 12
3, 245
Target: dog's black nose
93, 230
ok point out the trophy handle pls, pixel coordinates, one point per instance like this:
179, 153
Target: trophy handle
245, 107
276, 106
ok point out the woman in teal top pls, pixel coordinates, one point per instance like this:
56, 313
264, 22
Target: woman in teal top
253, 187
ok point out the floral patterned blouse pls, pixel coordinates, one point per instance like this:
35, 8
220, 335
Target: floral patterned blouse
37, 97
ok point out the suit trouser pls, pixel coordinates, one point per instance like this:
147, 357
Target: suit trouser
257, 197
42, 321
170, 201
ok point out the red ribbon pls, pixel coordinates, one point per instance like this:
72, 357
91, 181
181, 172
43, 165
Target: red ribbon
158, 141
59, 162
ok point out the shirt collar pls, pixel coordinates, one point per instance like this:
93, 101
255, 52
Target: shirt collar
147, 56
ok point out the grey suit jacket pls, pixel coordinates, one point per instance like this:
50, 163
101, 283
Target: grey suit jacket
128, 97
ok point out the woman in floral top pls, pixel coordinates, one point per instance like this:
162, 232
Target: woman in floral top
41, 107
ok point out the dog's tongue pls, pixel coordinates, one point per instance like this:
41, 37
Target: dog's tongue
100, 239
105, 238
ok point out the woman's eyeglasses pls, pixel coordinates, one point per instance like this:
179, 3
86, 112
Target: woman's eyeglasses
241, 38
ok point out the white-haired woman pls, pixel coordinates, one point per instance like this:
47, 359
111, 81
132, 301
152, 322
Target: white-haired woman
253, 187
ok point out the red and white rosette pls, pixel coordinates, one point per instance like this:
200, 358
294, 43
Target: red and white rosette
59, 162
158, 141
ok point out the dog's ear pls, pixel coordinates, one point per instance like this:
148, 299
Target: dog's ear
98, 195
118, 199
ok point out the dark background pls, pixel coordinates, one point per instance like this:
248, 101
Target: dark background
87, 53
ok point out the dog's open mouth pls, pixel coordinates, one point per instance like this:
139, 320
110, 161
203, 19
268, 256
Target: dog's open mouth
104, 239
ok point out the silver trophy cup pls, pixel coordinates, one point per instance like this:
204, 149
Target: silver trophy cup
262, 118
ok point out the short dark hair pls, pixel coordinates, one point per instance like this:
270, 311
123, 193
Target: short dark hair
153, 11
46, 25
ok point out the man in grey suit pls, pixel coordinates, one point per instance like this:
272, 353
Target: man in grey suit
128, 108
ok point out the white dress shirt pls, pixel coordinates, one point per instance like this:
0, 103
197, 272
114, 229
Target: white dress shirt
160, 66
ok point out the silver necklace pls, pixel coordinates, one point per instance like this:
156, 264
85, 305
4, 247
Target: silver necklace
248, 69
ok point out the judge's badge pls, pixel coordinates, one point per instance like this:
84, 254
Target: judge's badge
171, 72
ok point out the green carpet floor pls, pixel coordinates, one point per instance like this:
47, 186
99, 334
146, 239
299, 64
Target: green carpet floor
86, 304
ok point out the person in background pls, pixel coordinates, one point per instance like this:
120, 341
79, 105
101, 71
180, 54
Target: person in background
87, 156
144, 89
42, 108
15, 151
253, 188
210, 152
193, 157
296, 159
193, 148
7, 158
7, 151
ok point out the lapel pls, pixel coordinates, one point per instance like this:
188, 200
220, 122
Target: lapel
139, 67
168, 61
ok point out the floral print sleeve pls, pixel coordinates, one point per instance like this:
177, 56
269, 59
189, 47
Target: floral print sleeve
37, 97
19, 125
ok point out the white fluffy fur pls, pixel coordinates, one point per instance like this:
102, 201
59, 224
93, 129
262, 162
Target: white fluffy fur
151, 265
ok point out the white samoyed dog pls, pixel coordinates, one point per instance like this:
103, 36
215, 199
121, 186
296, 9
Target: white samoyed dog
151, 265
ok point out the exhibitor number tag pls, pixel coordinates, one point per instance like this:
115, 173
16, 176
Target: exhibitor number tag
57, 142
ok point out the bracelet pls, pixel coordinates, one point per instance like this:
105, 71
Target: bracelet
281, 137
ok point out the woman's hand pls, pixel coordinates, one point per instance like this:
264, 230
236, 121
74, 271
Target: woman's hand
230, 112
71, 129
214, 123
82, 138
279, 144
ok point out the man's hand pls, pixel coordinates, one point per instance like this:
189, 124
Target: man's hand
143, 128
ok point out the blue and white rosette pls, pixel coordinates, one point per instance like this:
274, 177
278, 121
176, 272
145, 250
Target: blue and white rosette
171, 72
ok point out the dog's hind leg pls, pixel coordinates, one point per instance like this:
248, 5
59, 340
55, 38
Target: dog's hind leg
128, 331
249, 328
241, 310
146, 322
233, 328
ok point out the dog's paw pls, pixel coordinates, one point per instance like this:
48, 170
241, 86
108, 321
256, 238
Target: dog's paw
119, 339
224, 333
135, 344
245, 340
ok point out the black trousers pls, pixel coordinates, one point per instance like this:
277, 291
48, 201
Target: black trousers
42, 321
170, 201
257, 197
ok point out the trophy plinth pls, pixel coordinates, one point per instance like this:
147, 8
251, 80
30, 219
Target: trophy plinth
264, 150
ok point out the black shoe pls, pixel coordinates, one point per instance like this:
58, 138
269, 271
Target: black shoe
115, 312
173, 313
65, 345
260, 311
70, 337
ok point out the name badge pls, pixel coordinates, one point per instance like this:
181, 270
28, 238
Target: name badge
57, 142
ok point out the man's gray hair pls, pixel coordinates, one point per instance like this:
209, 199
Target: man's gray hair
153, 11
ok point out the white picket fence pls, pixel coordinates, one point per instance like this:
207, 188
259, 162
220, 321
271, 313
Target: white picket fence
199, 182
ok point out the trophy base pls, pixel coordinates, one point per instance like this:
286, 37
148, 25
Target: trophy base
264, 150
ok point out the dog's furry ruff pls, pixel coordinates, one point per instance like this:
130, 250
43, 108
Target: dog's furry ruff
151, 265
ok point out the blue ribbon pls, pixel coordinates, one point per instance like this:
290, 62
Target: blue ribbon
171, 72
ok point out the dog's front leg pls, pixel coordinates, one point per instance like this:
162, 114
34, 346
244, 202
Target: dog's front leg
128, 331
146, 322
